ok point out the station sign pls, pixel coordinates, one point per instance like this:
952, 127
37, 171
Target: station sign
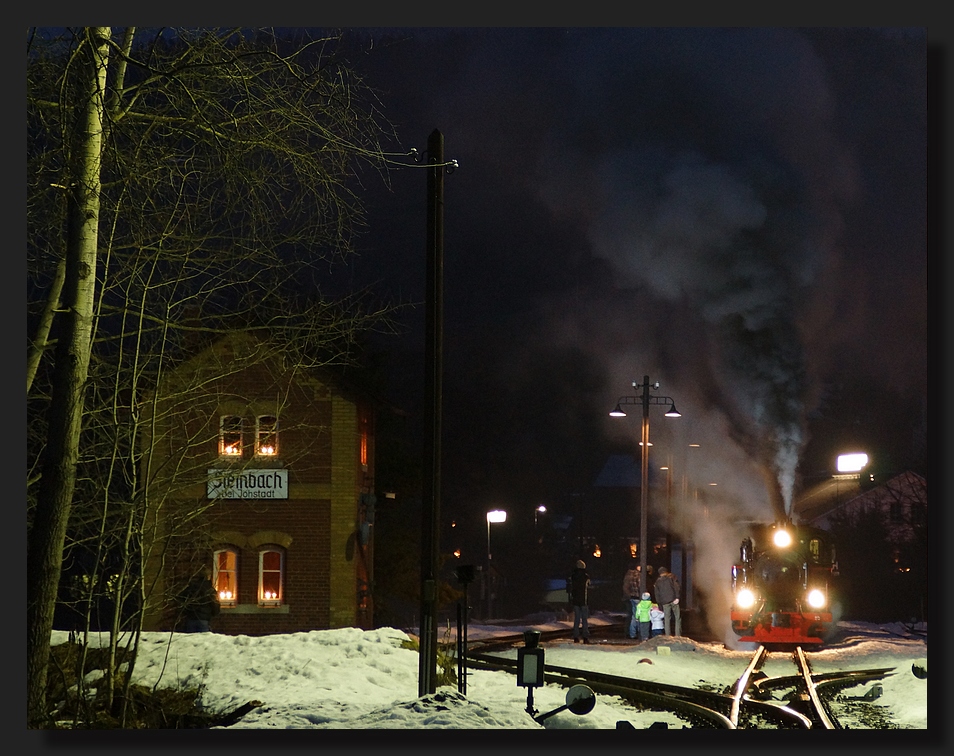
247, 484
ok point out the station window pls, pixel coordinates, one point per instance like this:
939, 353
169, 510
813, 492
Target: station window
230, 436
225, 576
364, 443
266, 437
271, 566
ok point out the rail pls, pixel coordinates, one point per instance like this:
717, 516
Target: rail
703, 708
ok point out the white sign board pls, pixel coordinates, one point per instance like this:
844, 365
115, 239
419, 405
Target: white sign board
248, 484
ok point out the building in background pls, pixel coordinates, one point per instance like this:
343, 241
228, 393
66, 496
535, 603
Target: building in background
900, 502
263, 470
880, 529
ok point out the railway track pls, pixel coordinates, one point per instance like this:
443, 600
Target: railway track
749, 703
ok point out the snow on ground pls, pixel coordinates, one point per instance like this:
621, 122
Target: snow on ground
354, 679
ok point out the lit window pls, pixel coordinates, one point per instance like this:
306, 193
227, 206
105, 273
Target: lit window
230, 436
270, 566
266, 439
364, 443
225, 576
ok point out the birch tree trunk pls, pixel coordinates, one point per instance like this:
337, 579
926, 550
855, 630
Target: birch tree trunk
41, 340
46, 538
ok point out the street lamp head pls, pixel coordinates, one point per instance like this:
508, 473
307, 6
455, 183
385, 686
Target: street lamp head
673, 412
852, 462
541, 509
496, 515
618, 411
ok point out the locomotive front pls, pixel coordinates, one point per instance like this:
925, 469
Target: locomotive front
781, 586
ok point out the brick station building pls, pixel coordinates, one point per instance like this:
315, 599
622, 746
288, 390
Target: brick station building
264, 472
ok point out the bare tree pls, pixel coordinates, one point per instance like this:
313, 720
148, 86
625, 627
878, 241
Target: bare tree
209, 187
45, 544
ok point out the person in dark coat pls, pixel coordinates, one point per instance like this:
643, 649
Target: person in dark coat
577, 586
200, 603
631, 595
667, 596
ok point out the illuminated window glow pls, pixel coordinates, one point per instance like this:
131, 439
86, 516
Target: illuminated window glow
230, 436
266, 436
364, 442
270, 568
225, 576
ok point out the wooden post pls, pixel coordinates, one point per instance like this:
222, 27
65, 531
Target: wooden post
433, 353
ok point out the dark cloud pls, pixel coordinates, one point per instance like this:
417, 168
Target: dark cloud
739, 213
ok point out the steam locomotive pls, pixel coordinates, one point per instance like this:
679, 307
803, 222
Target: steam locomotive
781, 585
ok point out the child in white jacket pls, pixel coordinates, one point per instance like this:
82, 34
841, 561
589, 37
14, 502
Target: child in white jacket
656, 618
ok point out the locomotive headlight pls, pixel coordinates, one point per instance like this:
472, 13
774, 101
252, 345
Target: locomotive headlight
744, 598
816, 598
782, 538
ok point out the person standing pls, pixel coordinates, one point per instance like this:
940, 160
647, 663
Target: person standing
643, 608
577, 586
200, 603
667, 596
656, 620
630, 597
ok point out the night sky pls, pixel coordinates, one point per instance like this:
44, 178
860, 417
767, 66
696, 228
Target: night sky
738, 213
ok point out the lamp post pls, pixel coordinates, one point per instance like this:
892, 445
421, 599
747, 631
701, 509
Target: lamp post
668, 469
494, 515
644, 399
536, 513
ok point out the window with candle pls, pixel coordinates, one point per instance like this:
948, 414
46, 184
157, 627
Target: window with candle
225, 576
271, 564
266, 437
363, 448
230, 436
